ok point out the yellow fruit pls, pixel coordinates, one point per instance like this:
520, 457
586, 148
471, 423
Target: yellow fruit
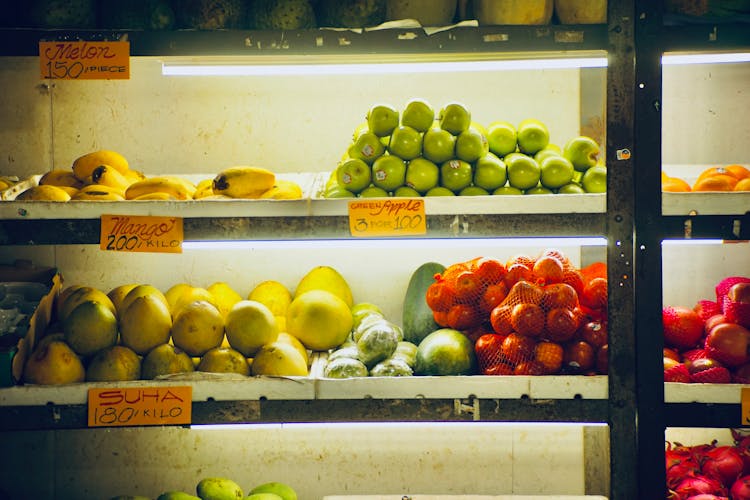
243, 182
60, 177
294, 342
192, 294
84, 166
174, 292
203, 188
53, 364
164, 184
98, 192
281, 323
141, 291
118, 293
273, 295
70, 190
581, 11
282, 490
197, 328
154, 196
90, 327
328, 279
279, 359
145, 322
533, 12
80, 294
133, 176
224, 296
165, 359
250, 325
283, 190
319, 319
218, 488
224, 360
44, 193
104, 175
114, 364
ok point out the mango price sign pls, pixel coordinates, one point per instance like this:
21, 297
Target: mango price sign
120, 406
141, 233
69, 60
374, 218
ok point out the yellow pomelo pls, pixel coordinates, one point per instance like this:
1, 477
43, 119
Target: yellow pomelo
294, 342
145, 324
328, 279
197, 328
85, 294
280, 359
62, 297
114, 364
142, 291
53, 364
165, 359
224, 296
175, 292
224, 360
192, 294
281, 322
250, 325
89, 327
319, 319
273, 295
118, 293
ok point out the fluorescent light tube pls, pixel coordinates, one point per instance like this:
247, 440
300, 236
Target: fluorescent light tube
726, 57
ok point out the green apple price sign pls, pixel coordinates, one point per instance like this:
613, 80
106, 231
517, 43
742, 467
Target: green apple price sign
378, 218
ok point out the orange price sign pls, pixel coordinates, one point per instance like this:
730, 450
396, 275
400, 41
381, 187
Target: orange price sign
69, 60
125, 406
745, 398
387, 217
141, 233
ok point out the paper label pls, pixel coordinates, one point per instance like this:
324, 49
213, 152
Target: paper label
141, 233
117, 407
84, 60
391, 217
745, 395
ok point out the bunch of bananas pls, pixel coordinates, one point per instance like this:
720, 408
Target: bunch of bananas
106, 176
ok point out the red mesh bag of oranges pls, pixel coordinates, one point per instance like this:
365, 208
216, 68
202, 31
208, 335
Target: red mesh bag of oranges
524, 314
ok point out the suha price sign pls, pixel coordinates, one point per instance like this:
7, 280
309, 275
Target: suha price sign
382, 218
125, 406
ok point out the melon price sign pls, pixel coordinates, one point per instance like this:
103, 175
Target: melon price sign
69, 60
125, 406
141, 233
391, 217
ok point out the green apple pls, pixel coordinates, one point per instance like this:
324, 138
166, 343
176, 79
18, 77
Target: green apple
532, 136
556, 171
440, 191
455, 175
501, 137
582, 151
471, 145
382, 119
538, 190
422, 175
374, 192
473, 191
362, 127
594, 179
438, 145
545, 153
523, 171
502, 190
336, 191
418, 114
490, 172
406, 192
455, 118
571, 188
353, 175
406, 143
388, 172
367, 147
478, 126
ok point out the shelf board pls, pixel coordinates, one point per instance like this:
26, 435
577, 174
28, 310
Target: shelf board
708, 35
703, 393
417, 40
706, 203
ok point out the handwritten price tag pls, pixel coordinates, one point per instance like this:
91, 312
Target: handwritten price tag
745, 398
84, 60
141, 233
117, 407
372, 218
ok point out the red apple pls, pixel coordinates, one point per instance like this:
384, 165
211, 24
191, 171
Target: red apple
729, 343
703, 364
739, 292
714, 320
594, 332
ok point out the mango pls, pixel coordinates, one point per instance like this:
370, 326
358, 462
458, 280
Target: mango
284, 491
219, 488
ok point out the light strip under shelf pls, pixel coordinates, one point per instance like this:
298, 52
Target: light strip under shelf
707, 58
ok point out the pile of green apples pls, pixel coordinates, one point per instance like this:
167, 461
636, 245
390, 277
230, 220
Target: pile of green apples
420, 153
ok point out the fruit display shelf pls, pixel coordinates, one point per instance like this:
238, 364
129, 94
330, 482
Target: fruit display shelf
464, 497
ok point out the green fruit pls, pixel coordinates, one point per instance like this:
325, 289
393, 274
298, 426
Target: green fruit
445, 352
363, 309
594, 180
455, 175
374, 192
422, 175
345, 351
555, 171
455, 118
392, 367
388, 172
440, 191
343, 367
532, 136
503, 190
366, 147
354, 175
337, 191
263, 496
473, 191
90, 327
417, 318
501, 137
406, 143
539, 190
219, 488
377, 343
571, 188
438, 145
382, 119
418, 114
471, 145
283, 490
490, 172
176, 495
406, 192
523, 171
582, 152
407, 351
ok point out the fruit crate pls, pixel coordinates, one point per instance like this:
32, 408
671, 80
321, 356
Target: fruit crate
701, 202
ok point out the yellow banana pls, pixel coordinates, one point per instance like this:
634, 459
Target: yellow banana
203, 188
43, 193
283, 190
68, 189
96, 193
84, 165
4, 184
162, 184
157, 195
243, 182
104, 175
133, 176
191, 187
60, 177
